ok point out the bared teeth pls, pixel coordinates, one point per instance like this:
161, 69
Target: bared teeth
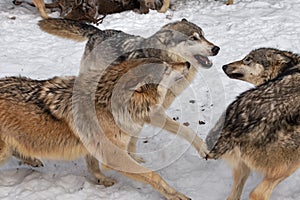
203, 60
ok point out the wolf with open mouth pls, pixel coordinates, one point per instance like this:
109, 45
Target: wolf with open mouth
179, 41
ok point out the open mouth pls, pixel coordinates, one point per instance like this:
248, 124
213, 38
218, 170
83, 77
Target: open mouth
235, 75
203, 60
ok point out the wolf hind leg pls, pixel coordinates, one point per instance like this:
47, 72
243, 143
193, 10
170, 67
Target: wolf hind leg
127, 166
41, 8
166, 5
93, 168
240, 174
5, 152
118, 159
265, 188
229, 2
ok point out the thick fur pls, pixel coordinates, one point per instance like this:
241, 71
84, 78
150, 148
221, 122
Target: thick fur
174, 42
167, 3
38, 120
260, 130
89, 10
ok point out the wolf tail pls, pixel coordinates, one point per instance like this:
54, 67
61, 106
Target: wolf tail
69, 29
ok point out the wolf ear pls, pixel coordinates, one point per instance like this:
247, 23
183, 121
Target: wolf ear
283, 58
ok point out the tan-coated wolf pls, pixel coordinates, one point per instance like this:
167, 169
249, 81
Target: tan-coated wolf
166, 4
260, 130
38, 117
175, 42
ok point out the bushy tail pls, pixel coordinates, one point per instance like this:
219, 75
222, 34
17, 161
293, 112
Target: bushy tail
68, 28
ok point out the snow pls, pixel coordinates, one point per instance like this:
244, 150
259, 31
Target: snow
237, 29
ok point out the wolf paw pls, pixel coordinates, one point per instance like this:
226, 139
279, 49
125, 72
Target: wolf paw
107, 182
203, 152
33, 162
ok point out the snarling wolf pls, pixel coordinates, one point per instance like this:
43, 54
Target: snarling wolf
175, 42
260, 130
38, 120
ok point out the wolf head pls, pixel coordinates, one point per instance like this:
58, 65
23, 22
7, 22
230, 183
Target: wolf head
261, 65
187, 40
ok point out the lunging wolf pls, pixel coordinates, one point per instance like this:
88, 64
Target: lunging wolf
175, 42
38, 120
260, 130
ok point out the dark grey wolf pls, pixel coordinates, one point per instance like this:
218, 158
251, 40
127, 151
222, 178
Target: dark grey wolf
37, 117
175, 42
260, 130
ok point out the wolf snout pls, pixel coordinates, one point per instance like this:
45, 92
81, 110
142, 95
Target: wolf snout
215, 50
225, 67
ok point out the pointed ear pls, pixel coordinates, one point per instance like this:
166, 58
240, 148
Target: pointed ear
283, 58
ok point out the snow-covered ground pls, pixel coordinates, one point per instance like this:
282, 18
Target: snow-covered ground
237, 29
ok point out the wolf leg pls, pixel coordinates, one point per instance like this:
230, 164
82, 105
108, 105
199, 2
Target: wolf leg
229, 2
165, 6
160, 119
114, 156
93, 168
240, 174
127, 166
5, 152
41, 7
264, 190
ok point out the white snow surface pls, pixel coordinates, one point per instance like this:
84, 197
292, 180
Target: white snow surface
237, 29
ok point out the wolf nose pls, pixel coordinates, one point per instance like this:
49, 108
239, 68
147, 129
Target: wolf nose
224, 67
215, 50
188, 65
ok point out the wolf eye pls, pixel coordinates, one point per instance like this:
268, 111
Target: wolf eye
247, 60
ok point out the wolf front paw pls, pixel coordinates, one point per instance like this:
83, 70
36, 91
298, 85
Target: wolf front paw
32, 162
203, 152
107, 182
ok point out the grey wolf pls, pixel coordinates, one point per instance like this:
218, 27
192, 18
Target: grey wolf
37, 120
260, 130
167, 3
175, 42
